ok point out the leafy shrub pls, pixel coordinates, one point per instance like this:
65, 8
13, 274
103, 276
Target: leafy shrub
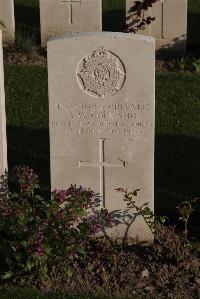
171, 243
186, 63
36, 233
196, 65
41, 238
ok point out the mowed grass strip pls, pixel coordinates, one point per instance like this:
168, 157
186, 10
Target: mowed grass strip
27, 118
177, 159
26, 96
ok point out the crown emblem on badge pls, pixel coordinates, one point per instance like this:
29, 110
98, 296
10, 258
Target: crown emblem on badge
101, 74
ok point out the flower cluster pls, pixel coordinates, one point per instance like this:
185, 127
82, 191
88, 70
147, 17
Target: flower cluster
5, 210
38, 230
25, 177
60, 195
40, 237
93, 222
80, 193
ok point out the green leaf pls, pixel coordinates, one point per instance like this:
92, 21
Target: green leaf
30, 265
2, 24
24, 243
68, 272
13, 248
81, 212
81, 250
39, 198
7, 275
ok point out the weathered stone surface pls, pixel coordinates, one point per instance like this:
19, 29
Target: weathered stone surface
8, 18
3, 142
101, 101
169, 27
60, 16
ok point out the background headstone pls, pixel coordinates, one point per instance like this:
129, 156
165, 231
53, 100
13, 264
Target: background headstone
169, 27
8, 18
101, 101
3, 142
60, 16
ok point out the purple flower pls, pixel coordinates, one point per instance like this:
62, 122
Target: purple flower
91, 219
26, 178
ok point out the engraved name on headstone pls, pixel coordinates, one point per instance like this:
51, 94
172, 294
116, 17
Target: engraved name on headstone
101, 103
60, 16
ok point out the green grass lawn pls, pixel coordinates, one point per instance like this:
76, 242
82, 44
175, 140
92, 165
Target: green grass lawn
27, 117
177, 160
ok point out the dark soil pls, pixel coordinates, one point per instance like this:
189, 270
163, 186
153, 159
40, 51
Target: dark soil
164, 66
15, 55
169, 269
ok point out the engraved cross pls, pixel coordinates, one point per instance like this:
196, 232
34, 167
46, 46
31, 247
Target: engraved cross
162, 14
70, 4
162, 18
102, 164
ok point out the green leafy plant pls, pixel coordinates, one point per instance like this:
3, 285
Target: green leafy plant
186, 63
36, 233
182, 64
174, 244
185, 210
196, 65
149, 217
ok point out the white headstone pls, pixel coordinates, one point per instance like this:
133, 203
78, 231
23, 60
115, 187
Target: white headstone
8, 18
60, 16
3, 142
169, 27
101, 101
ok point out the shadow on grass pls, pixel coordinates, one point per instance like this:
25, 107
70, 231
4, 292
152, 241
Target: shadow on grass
113, 20
30, 147
27, 19
193, 40
177, 172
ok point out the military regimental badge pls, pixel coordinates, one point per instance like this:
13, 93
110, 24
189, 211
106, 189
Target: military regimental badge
102, 74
